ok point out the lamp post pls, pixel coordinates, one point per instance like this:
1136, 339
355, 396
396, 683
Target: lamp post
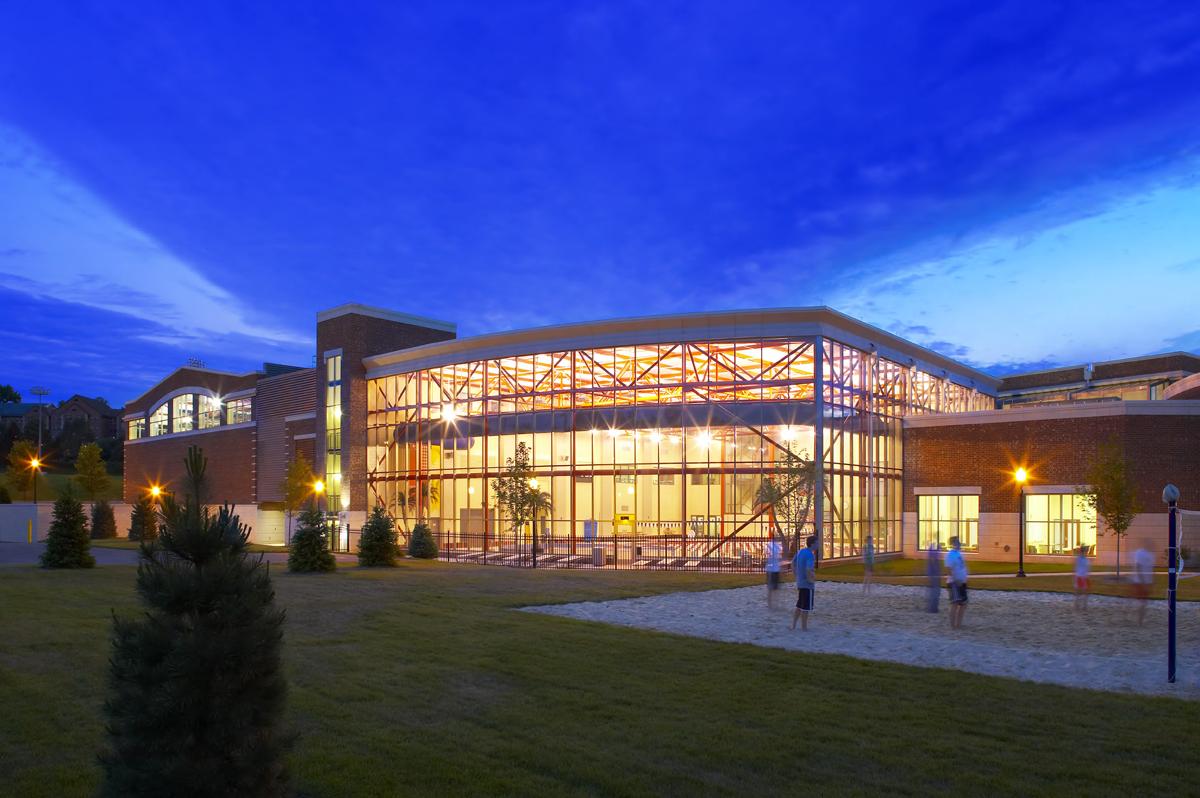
318, 489
533, 486
1171, 497
1021, 476
35, 465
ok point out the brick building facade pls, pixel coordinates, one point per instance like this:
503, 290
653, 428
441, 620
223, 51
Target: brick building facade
978, 454
957, 461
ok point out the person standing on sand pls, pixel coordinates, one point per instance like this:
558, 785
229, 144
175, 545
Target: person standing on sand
868, 563
805, 563
1143, 577
957, 564
933, 570
1082, 569
773, 563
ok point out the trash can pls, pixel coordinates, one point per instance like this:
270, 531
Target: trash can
598, 558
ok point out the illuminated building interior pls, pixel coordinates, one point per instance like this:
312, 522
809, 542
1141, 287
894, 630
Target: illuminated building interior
658, 441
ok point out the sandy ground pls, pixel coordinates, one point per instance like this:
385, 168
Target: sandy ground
1022, 635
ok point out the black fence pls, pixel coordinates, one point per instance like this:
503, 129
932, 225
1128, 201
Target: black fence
650, 553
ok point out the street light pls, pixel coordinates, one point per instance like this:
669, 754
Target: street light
1021, 476
155, 492
35, 465
318, 488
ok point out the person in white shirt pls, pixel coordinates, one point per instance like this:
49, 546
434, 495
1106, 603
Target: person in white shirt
1082, 568
1143, 577
957, 565
773, 563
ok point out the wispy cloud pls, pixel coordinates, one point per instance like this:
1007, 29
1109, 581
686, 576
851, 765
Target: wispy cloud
62, 242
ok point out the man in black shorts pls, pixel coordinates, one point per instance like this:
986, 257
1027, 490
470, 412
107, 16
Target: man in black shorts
804, 563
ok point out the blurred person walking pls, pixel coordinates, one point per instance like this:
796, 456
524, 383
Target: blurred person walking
868, 563
1083, 567
773, 563
1143, 577
933, 570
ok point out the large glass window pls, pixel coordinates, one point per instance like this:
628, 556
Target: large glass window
658, 440
333, 432
160, 421
940, 518
137, 429
209, 415
1058, 523
239, 411
182, 413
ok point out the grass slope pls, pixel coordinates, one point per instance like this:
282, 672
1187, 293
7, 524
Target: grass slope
422, 679
1048, 577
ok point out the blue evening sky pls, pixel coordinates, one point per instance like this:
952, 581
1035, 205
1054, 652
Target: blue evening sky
1015, 184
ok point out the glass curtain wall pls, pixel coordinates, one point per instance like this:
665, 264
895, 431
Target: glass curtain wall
647, 441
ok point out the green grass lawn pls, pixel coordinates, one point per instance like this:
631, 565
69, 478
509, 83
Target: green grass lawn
126, 543
1045, 576
51, 484
423, 679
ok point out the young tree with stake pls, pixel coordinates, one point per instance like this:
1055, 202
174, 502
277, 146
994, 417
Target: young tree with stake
1111, 491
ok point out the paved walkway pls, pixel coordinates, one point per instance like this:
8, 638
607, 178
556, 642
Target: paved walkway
1026, 635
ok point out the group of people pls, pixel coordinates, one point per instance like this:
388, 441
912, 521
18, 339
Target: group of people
804, 565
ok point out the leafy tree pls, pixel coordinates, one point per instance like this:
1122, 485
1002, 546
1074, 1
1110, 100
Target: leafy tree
5, 498
310, 545
421, 544
196, 682
9, 394
90, 471
143, 520
517, 494
20, 474
1112, 492
416, 498
8, 435
71, 438
67, 544
112, 450
789, 491
297, 484
104, 524
377, 543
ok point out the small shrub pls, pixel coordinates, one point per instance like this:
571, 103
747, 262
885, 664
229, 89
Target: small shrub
310, 545
104, 523
143, 520
421, 543
377, 543
67, 544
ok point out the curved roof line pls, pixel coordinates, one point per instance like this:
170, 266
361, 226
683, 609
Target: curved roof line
718, 325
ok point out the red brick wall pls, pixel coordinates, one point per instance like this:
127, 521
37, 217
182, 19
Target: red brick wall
1160, 448
276, 399
160, 461
358, 337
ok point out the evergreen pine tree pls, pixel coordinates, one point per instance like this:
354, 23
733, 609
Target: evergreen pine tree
377, 544
310, 544
196, 687
104, 523
67, 544
143, 520
421, 543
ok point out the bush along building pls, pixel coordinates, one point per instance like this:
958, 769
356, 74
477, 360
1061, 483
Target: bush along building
649, 440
